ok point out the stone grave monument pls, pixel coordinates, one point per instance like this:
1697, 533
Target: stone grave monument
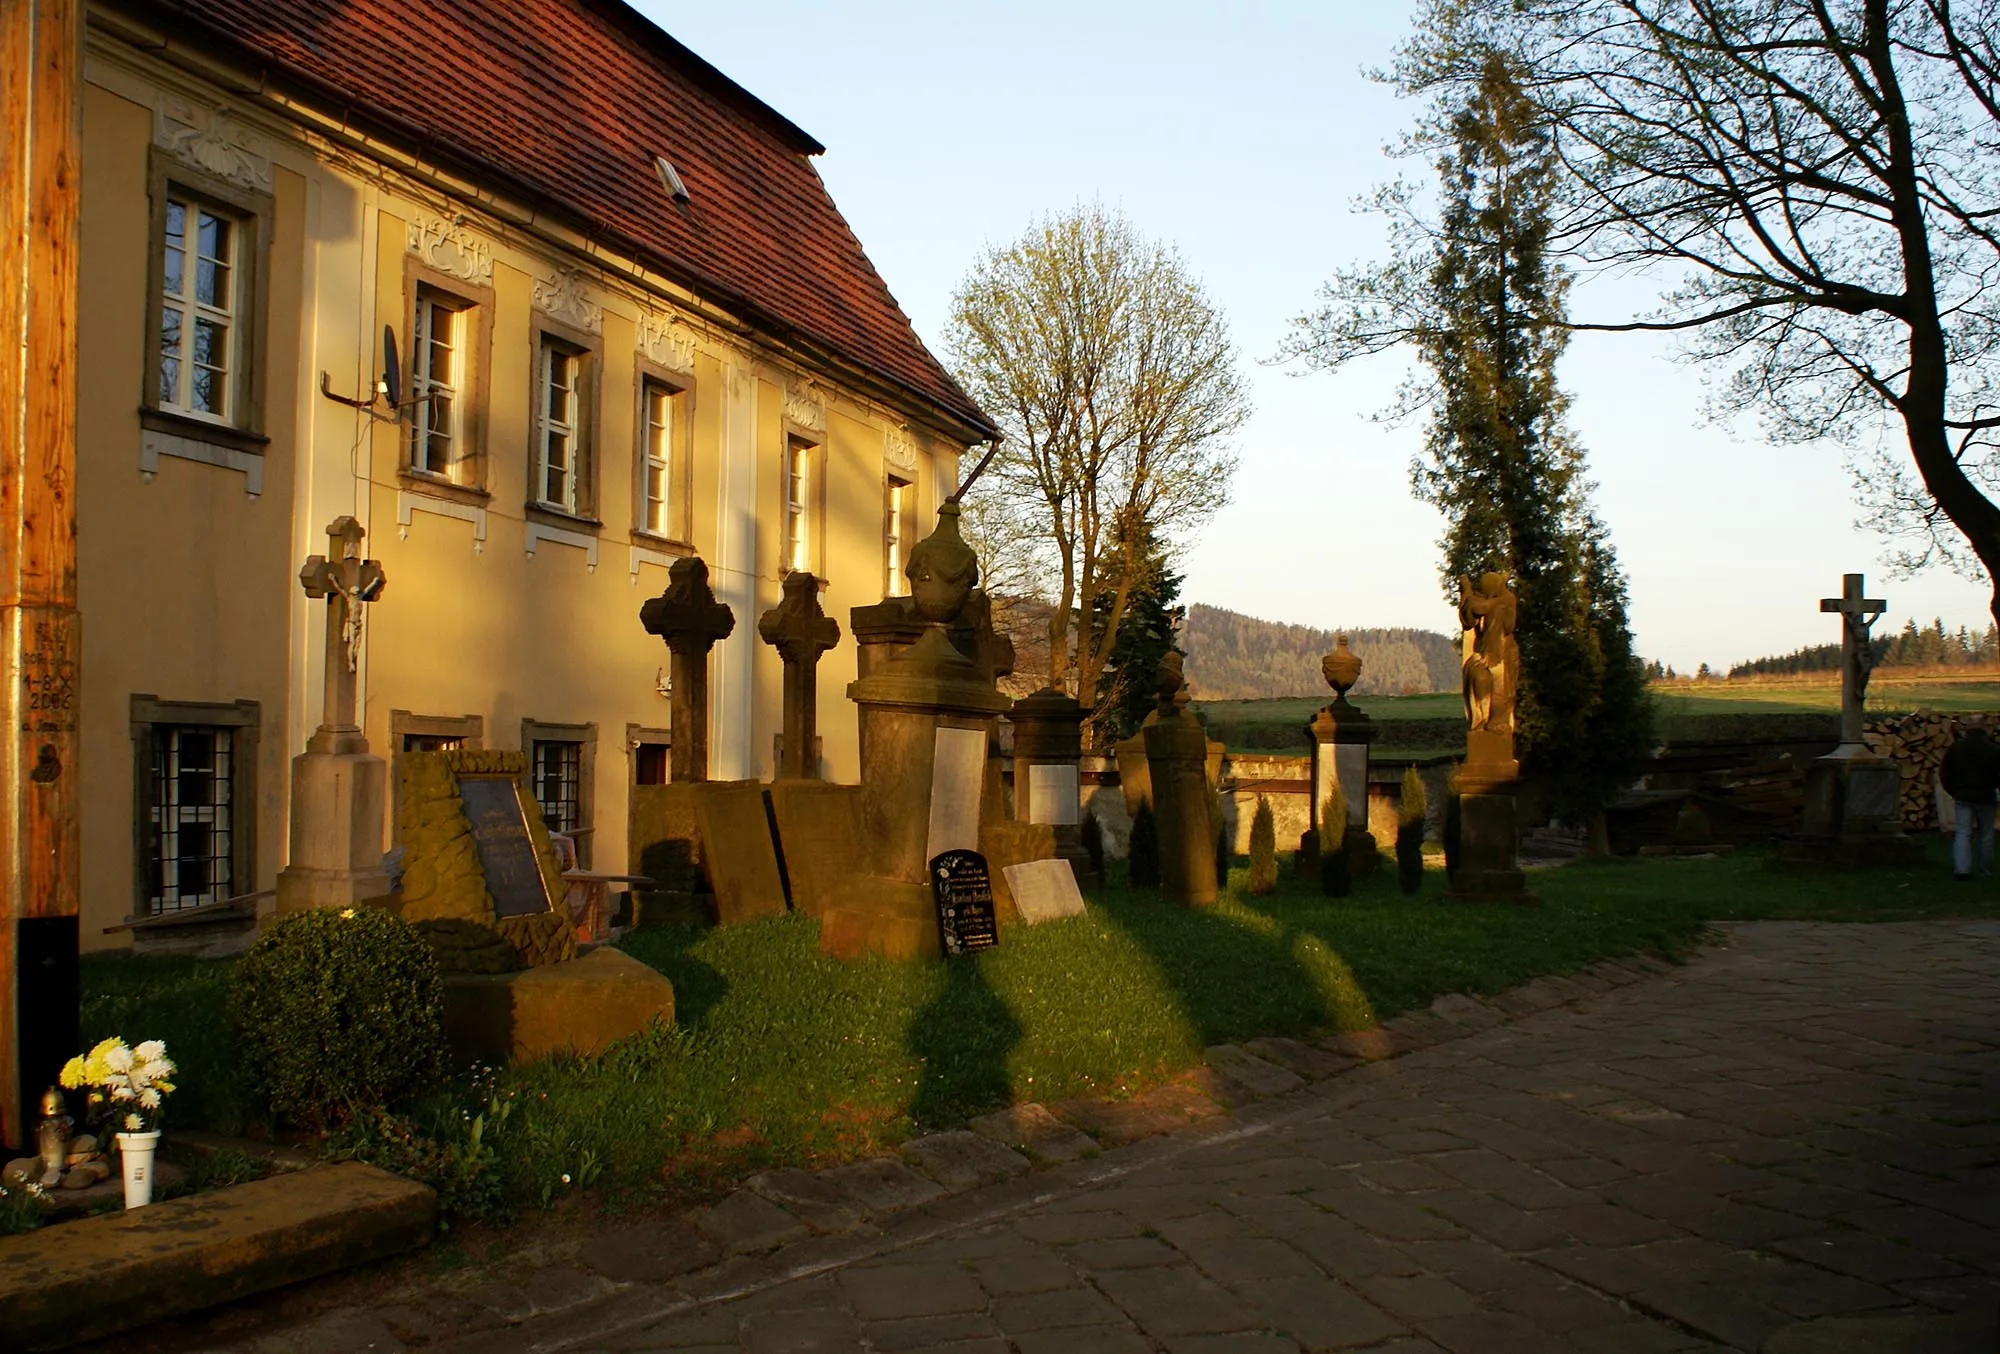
800, 631
706, 844
480, 882
928, 709
338, 786
1852, 812
1183, 795
1048, 756
1488, 868
1342, 736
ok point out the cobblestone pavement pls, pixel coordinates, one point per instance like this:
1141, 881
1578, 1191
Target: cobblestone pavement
1791, 1145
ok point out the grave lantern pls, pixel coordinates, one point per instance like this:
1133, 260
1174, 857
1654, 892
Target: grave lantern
1048, 750
52, 1136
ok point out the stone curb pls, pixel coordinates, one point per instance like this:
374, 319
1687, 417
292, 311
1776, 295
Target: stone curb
826, 1218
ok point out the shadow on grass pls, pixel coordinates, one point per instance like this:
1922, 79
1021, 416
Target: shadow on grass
698, 986
962, 1038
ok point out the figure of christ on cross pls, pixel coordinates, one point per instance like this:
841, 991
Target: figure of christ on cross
1858, 615
346, 581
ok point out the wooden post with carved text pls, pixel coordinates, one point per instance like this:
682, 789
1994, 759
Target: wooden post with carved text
41, 134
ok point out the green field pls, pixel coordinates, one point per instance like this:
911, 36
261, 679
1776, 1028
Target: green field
1683, 707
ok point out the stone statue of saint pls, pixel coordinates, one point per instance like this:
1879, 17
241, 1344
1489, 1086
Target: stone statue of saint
1492, 659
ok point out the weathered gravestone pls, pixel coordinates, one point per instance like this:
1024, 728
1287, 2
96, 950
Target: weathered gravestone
800, 632
1044, 890
736, 845
479, 877
962, 892
819, 839
1183, 796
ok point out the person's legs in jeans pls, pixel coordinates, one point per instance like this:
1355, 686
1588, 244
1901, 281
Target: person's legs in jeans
1961, 838
1983, 828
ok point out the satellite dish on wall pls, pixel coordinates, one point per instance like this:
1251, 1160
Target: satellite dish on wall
392, 370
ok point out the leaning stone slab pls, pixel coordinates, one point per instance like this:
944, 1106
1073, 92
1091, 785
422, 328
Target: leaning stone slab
1032, 1129
820, 1205
98, 1276
960, 1160
1246, 1076
746, 1222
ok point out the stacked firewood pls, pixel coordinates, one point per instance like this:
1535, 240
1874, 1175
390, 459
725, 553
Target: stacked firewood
1916, 743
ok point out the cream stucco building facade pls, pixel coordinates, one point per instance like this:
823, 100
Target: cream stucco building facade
586, 396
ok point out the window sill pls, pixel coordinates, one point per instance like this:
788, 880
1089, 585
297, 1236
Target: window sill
437, 486
556, 517
201, 430
664, 545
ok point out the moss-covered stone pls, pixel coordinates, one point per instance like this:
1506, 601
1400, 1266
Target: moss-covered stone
442, 877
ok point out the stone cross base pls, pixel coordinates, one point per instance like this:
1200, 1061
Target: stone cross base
1852, 816
336, 839
1177, 755
1488, 842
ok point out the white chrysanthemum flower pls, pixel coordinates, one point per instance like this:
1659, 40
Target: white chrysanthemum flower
149, 1099
123, 1093
118, 1058
133, 1123
152, 1051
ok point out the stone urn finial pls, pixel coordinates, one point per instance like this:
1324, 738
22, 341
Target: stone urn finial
942, 570
1341, 668
1170, 689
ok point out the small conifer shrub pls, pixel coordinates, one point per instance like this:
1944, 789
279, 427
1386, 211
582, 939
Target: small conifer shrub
1263, 849
1410, 832
1091, 833
1143, 858
1336, 877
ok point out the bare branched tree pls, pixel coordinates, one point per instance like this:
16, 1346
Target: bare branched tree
1819, 178
1114, 382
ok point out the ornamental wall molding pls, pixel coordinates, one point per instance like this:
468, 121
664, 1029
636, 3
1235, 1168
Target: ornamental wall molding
805, 404
450, 247
898, 449
564, 297
206, 139
667, 342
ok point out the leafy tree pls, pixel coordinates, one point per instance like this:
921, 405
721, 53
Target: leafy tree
1113, 379
1477, 295
1817, 183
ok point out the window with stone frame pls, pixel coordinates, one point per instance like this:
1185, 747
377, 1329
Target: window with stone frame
897, 495
205, 284
195, 778
800, 456
651, 753
561, 464
440, 343
561, 765
663, 433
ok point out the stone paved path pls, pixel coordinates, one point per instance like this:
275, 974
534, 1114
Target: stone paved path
1790, 1145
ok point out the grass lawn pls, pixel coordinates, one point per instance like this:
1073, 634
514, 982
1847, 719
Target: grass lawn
1680, 706
782, 1056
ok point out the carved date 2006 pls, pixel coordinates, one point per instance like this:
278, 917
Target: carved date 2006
48, 681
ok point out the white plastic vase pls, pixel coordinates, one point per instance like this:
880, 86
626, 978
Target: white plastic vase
135, 1152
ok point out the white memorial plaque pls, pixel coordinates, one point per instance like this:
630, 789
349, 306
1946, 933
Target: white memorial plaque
1052, 794
1352, 760
958, 773
1044, 890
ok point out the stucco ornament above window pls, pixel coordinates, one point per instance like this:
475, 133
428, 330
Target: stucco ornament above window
450, 247
667, 342
805, 404
565, 298
898, 449
206, 139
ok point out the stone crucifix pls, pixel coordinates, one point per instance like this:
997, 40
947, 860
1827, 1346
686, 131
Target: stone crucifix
1858, 615
690, 620
347, 582
800, 631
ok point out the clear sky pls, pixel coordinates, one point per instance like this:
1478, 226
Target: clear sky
1243, 135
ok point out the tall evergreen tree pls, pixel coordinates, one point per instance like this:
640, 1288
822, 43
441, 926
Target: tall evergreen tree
1145, 632
1478, 296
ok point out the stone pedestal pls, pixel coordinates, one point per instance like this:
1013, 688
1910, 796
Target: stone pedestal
1489, 833
1342, 737
1851, 818
336, 836
1183, 806
1048, 756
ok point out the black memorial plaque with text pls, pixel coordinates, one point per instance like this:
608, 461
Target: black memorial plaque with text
506, 848
962, 888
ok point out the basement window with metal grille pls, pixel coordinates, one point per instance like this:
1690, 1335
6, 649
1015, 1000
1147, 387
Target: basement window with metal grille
190, 817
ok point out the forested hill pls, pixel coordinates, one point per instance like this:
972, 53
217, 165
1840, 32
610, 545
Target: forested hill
1234, 657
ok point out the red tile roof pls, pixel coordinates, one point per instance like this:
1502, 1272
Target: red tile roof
567, 102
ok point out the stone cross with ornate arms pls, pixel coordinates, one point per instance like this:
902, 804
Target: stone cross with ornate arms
346, 581
801, 632
1858, 615
690, 620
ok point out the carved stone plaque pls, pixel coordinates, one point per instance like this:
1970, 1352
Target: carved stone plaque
1052, 793
1044, 890
506, 848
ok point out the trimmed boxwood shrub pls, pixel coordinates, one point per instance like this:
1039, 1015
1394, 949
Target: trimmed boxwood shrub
1263, 849
341, 1012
